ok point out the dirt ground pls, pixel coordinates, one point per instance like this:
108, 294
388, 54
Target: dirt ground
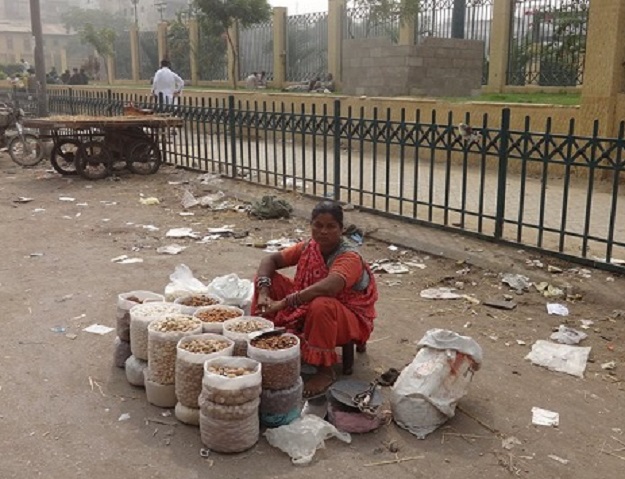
60, 398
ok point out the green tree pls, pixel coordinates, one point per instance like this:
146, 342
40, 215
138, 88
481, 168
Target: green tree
76, 18
228, 13
382, 10
102, 40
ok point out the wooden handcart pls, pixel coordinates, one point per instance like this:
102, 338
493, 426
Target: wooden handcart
95, 146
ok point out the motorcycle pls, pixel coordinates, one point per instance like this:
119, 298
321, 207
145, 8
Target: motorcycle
24, 146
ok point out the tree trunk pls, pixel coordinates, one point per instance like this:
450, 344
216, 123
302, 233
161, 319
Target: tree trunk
235, 57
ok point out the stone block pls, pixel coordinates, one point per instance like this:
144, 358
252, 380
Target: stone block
369, 62
414, 61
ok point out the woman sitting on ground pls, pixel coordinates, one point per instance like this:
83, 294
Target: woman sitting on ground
331, 300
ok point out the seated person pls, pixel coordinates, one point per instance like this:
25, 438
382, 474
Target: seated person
331, 300
251, 82
262, 80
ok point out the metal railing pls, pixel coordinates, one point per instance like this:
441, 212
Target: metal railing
554, 193
548, 42
359, 22
256, 50
307, 46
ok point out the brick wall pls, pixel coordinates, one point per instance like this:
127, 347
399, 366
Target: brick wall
436, 67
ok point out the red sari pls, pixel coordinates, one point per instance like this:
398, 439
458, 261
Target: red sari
326, 322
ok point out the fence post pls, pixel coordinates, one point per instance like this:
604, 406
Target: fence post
234, 59
232, 127
337, 150
134, 52
499, 46
161, 39
194, 52
110, 69
279, 46
336, 13
502, 178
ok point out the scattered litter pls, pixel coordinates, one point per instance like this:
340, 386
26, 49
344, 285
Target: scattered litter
67, 217
587, 323
518, 282
186, 213
108, 203
389, 268
39, 210
71, 336
534, 262
558, 459
181, 233
171, 249
106, 220
611, 366
83, 315
557, 309
209, 179
82, 204
549, 290
204, 453
166, 414
610, 279
23, 199
98, 329
177, 183
68, 199
415, 264
151, 201
290, 183
78, 215
35, 255
276, 245
124, 259
271, 207
224, 230
584, 273
188, 200
150, 228
508, 443
471, 299
559, 357
520, 342
566, 335
58, 329
553, 269
544, 417
393, 247
124, 417
505, 305
440, 293
393, 284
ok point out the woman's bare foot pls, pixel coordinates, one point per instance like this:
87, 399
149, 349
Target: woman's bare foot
319, 383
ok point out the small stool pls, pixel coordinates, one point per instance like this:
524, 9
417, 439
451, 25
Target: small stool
348, 356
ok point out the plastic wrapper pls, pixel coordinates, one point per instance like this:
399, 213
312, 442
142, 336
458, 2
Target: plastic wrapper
187, 415
242, 338
229, 436
160, 395
353, 421
216, 327
121, 352
124, 305
301, 439
190, 367
277, 420
190, 303
162, 345
135, 371
283, 401
281, 368
233, 290
141, 316
182, 283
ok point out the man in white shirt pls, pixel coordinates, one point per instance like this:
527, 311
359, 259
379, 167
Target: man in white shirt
167, 83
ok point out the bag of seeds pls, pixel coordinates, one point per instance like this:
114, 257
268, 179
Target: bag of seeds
279, 408
163, 337
280, 357
192, 353
141, 316
125, 302
229, 436
135, 371
213, 317
160, 395
231, 381
191, 302
121, 352
240, 329
187, 415
229, 413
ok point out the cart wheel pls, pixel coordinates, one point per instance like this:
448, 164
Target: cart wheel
63, 158
94, 160
144, 158
26, 150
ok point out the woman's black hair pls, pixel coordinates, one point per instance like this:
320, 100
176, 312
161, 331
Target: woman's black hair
329, 207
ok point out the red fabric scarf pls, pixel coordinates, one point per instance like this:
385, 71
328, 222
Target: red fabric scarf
312, 268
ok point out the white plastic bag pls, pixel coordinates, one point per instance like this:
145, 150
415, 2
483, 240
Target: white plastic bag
182, 282
301, 439
559, 357
234, 291
428, 389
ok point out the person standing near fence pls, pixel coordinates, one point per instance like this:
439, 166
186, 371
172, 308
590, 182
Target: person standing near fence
166, 83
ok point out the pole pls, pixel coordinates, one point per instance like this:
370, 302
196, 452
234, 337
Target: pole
40, 65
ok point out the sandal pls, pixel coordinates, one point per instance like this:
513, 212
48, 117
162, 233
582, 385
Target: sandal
325, 377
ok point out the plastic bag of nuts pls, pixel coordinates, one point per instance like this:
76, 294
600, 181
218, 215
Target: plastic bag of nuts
163, 337
141, 316
280, 357
213, 317
231, 381
192, 302
134, 371
229, 413
121, 352
229, 436
161, 395
187, 415
240, 329
125, 302
192, 353
283, 401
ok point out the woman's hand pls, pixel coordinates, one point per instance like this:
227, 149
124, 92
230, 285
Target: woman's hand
262, 303
272, 307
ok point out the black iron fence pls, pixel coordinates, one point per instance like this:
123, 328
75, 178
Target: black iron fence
552, 192
307, 46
